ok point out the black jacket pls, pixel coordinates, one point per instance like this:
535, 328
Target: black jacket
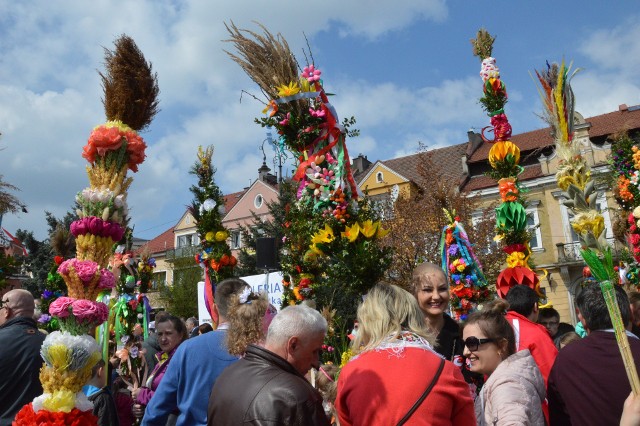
20, 363
104, 408
264, 389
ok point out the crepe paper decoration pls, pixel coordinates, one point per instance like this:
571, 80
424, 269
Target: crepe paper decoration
501, 150
325, 222
504, 158
604, 272
467, 284
519, 275
112, 150
511, 215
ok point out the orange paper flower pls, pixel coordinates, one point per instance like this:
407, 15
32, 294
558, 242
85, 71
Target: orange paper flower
500, 150
508, 189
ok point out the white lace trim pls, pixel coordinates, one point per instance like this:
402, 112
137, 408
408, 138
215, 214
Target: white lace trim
395, 345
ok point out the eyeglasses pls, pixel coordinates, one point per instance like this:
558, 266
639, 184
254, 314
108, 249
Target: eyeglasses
4, 304
473, 343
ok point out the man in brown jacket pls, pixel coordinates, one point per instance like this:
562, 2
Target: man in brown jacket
267, 386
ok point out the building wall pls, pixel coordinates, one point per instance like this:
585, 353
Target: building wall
373, 187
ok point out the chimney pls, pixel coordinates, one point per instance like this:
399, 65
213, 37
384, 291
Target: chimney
475, 140
263, 171
623, 107
360, 163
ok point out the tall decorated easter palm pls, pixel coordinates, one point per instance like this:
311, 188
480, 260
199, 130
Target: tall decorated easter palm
113, 149
331, 254
207, 208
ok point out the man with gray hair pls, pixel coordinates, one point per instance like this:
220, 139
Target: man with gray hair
267, 386
20, 360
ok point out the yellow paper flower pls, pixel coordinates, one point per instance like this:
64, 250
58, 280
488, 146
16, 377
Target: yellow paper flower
515, 259
589, 221
323, 236
501, 149
381, 231
59, 356
368, 228
61, 400
351, 232
288, 89
304, 85
210, 236
565, 181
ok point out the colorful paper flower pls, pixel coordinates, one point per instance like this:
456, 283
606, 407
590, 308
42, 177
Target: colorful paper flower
311, 73
351, 232
515, 259
508, 189
290, 89
500, 150
368, 228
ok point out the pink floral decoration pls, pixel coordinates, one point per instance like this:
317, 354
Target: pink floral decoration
107, 279
311, 73
96, 226
90, 312
60, 307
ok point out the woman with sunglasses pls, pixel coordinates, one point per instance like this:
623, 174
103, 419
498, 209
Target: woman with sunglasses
514, 391
396, 376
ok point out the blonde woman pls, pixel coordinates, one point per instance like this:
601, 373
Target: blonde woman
397, 376
249, 317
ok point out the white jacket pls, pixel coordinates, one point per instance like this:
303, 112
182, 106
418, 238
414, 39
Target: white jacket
513, 394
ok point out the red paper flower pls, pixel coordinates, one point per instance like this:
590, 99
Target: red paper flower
511, 277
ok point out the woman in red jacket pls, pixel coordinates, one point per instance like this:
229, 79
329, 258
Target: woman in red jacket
396, 377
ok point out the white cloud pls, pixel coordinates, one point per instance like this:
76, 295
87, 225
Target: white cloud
50, 91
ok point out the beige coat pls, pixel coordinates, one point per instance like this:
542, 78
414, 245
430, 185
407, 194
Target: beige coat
513, 394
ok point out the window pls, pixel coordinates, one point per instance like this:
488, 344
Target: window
158, 280
236, 240
187, 240
379, 177
258, 201
533, 223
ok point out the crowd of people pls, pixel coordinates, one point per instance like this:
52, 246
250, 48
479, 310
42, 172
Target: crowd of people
510, 363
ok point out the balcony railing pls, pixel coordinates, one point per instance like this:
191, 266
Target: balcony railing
188, 251
570, 252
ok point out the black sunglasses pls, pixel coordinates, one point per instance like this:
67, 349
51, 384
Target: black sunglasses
472, 343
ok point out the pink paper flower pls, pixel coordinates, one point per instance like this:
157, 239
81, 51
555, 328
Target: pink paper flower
60, 307
311, 73
107, 279
319, 113
89, 311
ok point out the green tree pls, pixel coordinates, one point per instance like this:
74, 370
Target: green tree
181, 298
8, 266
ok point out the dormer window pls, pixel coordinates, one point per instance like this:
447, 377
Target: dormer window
379, 177
257, 202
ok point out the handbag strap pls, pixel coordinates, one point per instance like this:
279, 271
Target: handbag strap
424, 394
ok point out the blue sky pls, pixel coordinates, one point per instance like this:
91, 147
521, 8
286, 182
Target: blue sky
403, 69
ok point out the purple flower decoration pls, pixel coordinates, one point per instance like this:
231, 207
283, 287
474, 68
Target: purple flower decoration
133, 352
47, 294
44, 318
453, 249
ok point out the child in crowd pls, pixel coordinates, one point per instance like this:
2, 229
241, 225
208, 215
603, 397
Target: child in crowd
104, 407
328, 388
